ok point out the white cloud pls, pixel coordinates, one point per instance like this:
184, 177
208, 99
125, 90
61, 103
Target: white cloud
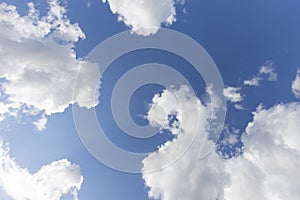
233, 94
3, 108
50, 182
266, 72
38, 64
296, 85
187, 178
144, 17
41, 123
239, 107
269, 168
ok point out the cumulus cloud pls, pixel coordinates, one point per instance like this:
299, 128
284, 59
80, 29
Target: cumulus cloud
266, 72
51, 182
296, 85
38, 64
269, 167
189, 177
145, 17
266, 169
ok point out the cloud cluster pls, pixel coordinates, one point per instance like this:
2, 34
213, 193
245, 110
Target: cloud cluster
188, 177
38, 64
51, 182
266, 72
144, 17
267, 169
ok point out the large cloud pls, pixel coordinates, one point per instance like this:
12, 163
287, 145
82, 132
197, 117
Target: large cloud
51, 182
189, 177
38, 65
268, 169
145, 17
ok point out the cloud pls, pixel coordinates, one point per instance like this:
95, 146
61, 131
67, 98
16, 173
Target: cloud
233, 94
187, 178
145, 17
269, 167
266, 72
266, 169
51, 182
38, 64
41, 123
229, 144
296, 85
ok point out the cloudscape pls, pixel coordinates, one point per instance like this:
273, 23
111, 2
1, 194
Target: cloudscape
157, 99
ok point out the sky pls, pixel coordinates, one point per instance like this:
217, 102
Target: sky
138, 100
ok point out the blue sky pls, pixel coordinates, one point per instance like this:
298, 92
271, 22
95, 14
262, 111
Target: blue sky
255, 46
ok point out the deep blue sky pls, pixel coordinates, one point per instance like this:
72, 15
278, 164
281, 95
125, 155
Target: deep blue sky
239, 35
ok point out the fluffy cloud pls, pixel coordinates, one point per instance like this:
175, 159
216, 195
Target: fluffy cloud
145, 17
233, 94
189, 177
267, 169
51, 182
266, 72
296, 85
38, 65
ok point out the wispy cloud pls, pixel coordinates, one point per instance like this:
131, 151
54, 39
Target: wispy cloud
40, 124
266, 72
233, 94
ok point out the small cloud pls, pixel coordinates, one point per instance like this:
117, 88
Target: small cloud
233, 94
41, 123
239, 107
266, 72
255, 81
296, 85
